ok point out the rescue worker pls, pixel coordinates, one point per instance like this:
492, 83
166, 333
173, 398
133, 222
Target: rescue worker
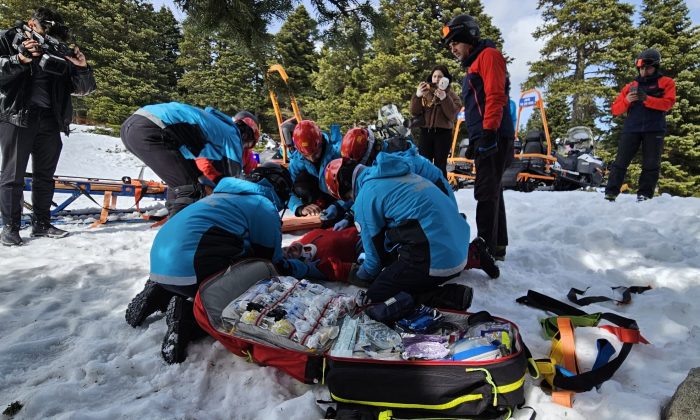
189, 148
413, 236
314, 150
487, 116
646, 101
238, 220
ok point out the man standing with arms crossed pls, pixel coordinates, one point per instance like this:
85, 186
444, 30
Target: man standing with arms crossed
487, 114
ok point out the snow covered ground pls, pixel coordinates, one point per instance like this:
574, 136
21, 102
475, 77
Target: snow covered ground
66, 351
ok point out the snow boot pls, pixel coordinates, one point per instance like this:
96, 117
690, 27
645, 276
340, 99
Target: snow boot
10, 235
41, 229
480, 257
182, 328
153, 298
641, 198
449, 296
611, 197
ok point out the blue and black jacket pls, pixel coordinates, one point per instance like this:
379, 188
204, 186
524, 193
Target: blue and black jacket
200, 133
485, 92
239, 220
399, 211
302, 168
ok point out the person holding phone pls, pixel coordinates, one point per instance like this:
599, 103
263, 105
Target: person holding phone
646, 100
434, 107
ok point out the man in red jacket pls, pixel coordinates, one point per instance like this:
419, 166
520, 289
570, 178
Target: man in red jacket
487, 115
334, 251
646, 101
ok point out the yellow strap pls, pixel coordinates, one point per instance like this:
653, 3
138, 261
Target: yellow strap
489, 380
385, 415
503, 389
323, 372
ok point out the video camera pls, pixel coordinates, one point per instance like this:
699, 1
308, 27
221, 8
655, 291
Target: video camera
53, 50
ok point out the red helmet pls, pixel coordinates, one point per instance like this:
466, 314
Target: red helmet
307, 137
331, 177
355, 144
249, 119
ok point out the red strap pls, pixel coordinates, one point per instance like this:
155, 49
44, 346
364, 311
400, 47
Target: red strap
626, 335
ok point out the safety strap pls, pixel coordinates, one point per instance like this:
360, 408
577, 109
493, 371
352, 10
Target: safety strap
625, 292
581, 382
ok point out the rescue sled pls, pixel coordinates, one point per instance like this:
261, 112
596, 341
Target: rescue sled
110, 189
285, 126
463, 170
534, 161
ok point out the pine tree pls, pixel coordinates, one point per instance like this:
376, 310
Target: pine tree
294, 45
666, 26
217, 72
586, 41
130, 47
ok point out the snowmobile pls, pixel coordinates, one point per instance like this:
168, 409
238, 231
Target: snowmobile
577, 166
391, 128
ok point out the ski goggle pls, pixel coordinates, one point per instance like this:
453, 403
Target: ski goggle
644, 62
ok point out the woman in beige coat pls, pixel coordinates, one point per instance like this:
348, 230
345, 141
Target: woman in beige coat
434, 107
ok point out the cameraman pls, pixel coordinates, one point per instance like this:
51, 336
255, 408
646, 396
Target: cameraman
35, 107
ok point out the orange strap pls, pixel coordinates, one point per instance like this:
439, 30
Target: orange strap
567, 347
626, 335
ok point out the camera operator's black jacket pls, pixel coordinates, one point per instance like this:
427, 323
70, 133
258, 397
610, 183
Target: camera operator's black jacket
15, 87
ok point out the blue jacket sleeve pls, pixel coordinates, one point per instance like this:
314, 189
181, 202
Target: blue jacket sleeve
372, 223
295, 168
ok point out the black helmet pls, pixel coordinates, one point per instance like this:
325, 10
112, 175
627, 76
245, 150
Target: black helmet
648, 57
276, 175
461, 28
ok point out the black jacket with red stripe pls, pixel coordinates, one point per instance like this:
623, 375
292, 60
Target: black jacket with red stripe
649, 115
485, 92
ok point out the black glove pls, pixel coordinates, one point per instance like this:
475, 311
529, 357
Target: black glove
488, 144
471, 149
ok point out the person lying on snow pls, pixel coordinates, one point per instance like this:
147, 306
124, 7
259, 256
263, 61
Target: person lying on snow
189, 148
413, 236
359, 144
307, 164
240, 219
334, 250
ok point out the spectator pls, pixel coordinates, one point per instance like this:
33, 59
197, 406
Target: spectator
646, 101
435, 106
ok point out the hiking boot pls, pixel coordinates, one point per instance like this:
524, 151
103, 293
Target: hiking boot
611, 197
480, 257
153, 298
10, 235
641, 198
182, 328
449, 296
46, 229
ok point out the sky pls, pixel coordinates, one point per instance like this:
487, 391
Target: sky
517, 20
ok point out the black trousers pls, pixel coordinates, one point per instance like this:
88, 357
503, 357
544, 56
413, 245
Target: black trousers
148, 142
403, 276
491, 220
435, 146
652, 146
42, 140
